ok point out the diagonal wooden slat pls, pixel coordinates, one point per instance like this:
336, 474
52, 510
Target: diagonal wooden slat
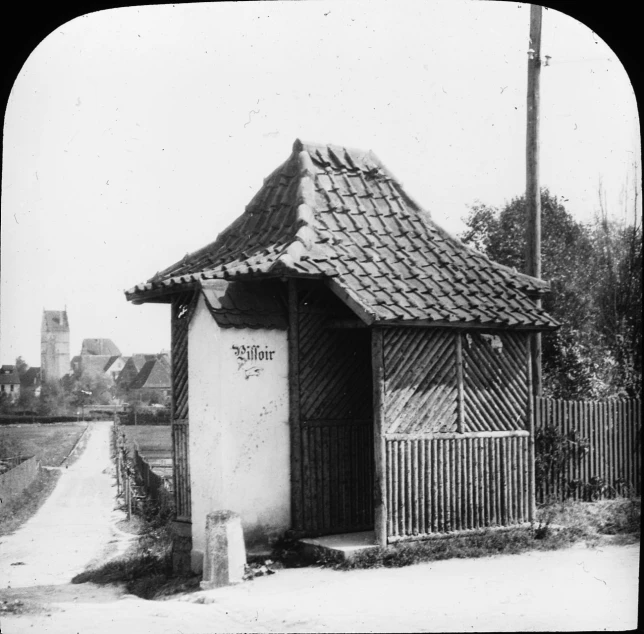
182, 309
434, 409
478, 391
407, 376
501, 382
420, 380
495, 383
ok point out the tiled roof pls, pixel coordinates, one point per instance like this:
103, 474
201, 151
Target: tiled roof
154, 374
100, 347
55, 321
335, 213
9, 375
111, 362
134, 365
246, 304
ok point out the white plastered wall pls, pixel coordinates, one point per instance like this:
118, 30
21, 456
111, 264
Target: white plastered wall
239, 428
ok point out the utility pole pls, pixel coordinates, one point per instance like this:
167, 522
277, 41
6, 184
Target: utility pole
533, 192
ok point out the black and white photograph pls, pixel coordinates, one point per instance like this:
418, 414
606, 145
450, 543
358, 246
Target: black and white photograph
320, 316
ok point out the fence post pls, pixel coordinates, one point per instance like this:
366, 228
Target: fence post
129, 497
118, 472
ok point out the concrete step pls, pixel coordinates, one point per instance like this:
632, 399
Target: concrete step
341, 547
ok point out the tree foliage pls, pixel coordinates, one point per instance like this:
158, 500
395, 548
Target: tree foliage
87, 389
595, 275
21, 366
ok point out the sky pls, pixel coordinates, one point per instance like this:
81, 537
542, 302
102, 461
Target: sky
135, 135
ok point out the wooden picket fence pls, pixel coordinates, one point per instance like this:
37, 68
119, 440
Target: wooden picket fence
136, 477
155, 485
602, 456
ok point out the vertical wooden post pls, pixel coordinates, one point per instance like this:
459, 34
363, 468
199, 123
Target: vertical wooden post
297, 520
118, 471
380, 458
533, 192
129, 499
532, 507
459, 379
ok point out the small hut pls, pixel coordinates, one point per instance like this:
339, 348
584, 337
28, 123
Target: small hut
342, 364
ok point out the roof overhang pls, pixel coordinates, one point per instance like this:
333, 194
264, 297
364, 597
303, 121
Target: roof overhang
463, 325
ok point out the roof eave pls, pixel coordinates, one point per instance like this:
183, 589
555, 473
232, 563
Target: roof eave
358, 307
158, 295
469, 325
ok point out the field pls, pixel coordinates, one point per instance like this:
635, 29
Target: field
50, 443
156, 438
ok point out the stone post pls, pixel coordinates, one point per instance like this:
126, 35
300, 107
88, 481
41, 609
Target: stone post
225, 554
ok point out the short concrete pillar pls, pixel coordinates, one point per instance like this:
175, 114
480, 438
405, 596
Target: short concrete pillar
225, 554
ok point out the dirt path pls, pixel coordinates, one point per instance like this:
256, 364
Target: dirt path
74, 525
574, 589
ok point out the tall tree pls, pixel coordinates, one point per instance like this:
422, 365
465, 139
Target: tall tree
617, 275
579, 359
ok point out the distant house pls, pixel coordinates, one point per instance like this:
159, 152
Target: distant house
30, 379
154, 377
133, 365
96, 365
114, 367
10, 382
99, 357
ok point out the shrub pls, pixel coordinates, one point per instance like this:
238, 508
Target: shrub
553, 452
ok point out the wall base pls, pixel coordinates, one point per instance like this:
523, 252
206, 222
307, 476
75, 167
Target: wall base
181, 548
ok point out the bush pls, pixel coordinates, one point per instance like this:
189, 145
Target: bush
553, 451
13, 419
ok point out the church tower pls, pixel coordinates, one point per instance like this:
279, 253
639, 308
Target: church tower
54, 345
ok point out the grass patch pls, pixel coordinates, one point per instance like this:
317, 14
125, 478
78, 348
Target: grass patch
50, 443
15, 512
145, 570
619, 516
147, 558
558, 526
150, 437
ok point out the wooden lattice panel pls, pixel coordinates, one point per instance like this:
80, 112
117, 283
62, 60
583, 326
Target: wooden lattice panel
421, 392
335, 367
495, 381
183, 306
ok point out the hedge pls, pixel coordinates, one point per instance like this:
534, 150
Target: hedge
9, 419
